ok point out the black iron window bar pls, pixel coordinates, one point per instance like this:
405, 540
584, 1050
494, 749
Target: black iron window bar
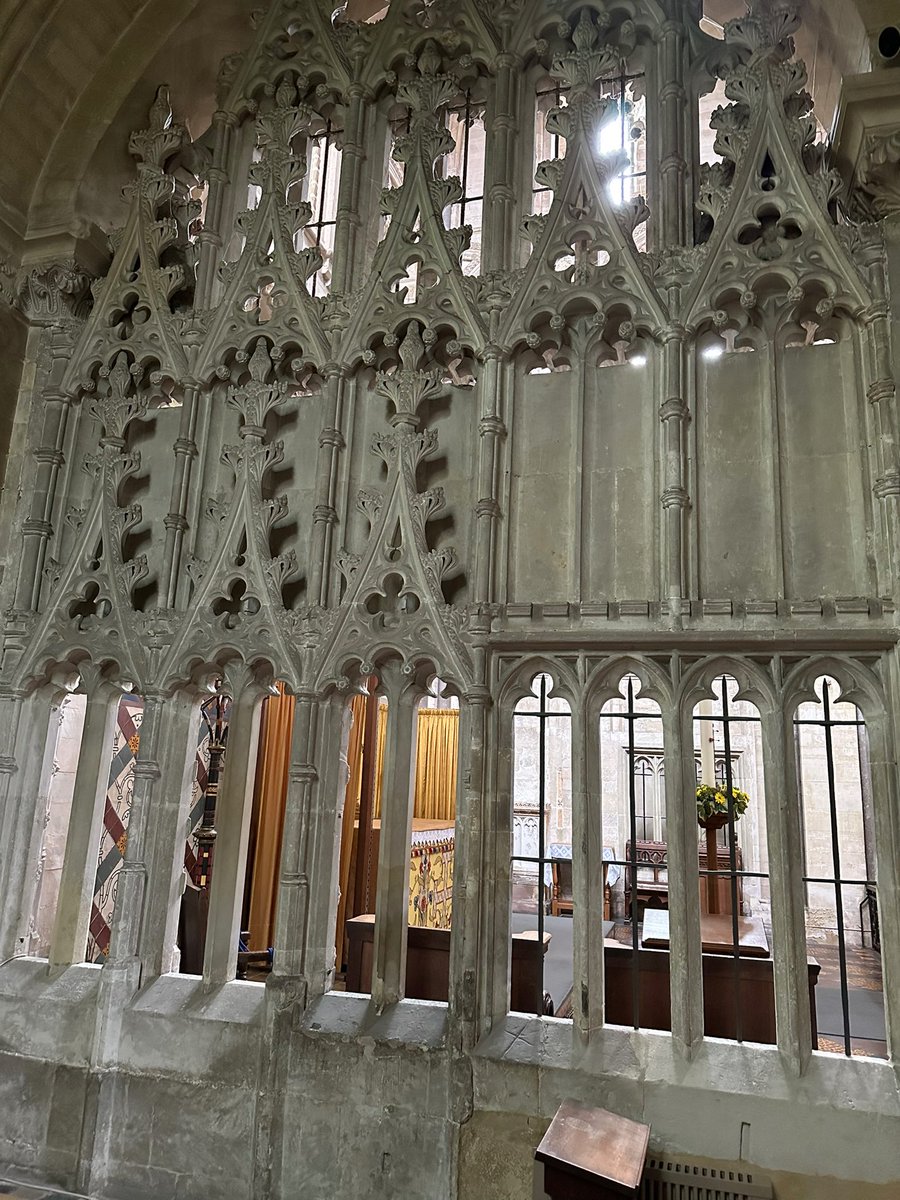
543, 714
615, 87
468, 114
316, 228
827, 723
631, 716
726, 719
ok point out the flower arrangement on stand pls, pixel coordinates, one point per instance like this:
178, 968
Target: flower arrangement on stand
712, 805
712, 815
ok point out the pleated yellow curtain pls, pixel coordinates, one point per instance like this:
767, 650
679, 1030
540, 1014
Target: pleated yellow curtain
437, 746
270, 798
351, 806
436, 753
379, 759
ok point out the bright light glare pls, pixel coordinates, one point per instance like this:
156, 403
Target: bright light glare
713, 352
639, 360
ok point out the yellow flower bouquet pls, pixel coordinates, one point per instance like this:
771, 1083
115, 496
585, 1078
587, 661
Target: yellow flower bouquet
712, 802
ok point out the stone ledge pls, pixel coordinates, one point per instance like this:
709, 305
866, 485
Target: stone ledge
418, 1024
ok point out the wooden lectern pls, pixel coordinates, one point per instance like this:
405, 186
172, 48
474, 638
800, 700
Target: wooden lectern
592, 1154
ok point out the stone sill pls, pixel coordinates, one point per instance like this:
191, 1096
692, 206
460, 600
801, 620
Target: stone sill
31, 979
417, 1024
239, 1002
650, 1057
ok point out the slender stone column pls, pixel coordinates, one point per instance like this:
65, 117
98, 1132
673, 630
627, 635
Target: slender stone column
76, 888
176, 522
27, 746
210, 237
324, 513
487, 509
470, 868
673, 225
321, 848
128, 912
233, 824
674, 415
293, 885
353, 153
785, 845
166, 831
495, 885
501, 166
587, 870
398, 794
686, 965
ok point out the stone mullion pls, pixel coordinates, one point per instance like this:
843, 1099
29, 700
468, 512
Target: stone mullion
325, 517
233, 807
165, 834
73, 907
130, 892
176, 522
26, 759
785, 847
495, 886
320, 844
499, 194
347, 223
487, 508
469, 866
587, 872
672, 159
686, 963
293, 883
884, 736
210, 236
392, 891
674, 415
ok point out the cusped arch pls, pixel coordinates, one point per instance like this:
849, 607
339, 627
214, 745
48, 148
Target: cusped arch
515, 685
859, 685
754, 685
604, 682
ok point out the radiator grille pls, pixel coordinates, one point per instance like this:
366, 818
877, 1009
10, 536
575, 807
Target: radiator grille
671, 1179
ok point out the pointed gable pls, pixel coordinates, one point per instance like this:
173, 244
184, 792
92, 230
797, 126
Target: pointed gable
133, 302
417, 240
769, 205
266, 285
584, 245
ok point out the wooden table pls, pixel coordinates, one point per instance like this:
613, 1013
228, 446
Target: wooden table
716, 933
592, 1154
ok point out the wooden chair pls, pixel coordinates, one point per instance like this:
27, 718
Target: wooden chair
652, 883
561, 901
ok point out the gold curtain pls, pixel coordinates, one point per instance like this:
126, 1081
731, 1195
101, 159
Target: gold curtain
435, 797
437, 744
436, 752
351, 805
270, 796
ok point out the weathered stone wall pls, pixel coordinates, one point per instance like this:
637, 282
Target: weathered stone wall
577, 456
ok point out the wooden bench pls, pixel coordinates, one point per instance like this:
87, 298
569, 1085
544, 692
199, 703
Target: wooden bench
756, 993
652, 887
428, 964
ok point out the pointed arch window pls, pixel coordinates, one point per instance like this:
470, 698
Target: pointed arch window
320, 190
623, 130
465, 123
